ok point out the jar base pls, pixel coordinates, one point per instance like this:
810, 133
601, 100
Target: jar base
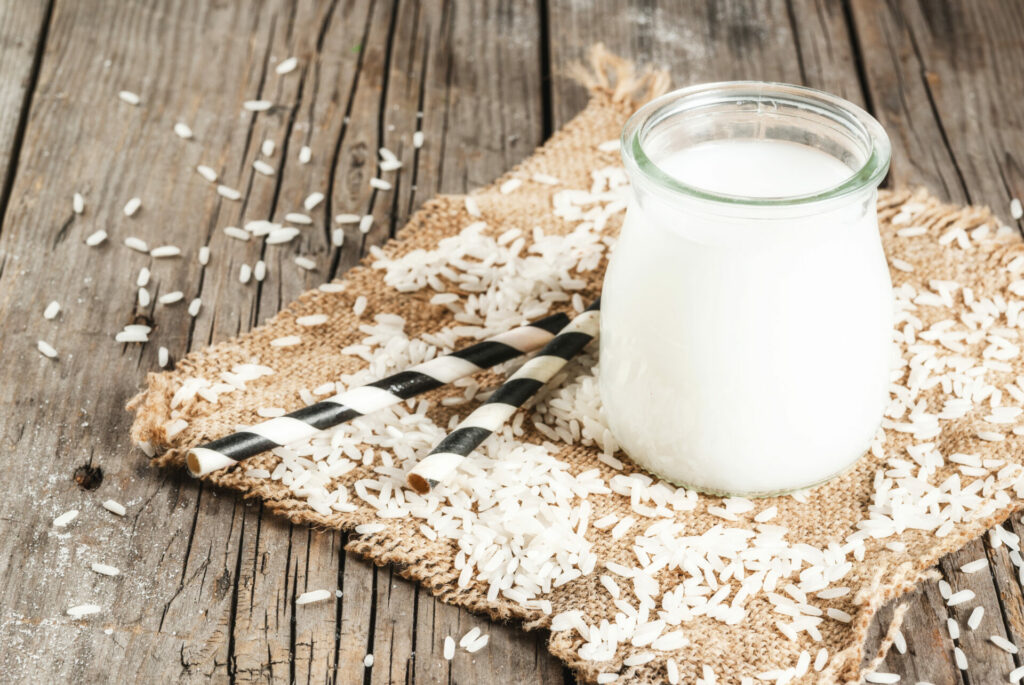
755, 495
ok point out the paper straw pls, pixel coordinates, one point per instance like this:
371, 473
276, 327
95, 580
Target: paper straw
345, 406
505, 401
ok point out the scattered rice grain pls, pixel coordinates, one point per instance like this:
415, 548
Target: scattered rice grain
286, 66
46, 349
257, 105
312, 200
313, 596
65, 518
975, 619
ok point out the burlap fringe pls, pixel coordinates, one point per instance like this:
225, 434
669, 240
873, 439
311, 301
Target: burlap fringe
618, 77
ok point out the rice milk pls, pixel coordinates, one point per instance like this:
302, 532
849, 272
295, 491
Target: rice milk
746, 349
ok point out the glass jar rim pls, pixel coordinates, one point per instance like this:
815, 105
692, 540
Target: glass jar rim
871, 172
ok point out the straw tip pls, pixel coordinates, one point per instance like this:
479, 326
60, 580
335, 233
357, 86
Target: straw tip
418, 483
201, 461
193, 464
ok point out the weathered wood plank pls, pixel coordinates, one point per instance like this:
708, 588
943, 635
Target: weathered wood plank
369, 72
966, 54
23, 30
822, 56
701, 42
481, 98
935, 76
73, 415
929, 648
273, 639
210, 581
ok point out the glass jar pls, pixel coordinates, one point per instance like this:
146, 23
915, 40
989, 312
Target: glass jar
747, 311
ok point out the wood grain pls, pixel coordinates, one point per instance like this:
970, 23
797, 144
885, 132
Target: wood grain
934, 75
23, 33
209, 582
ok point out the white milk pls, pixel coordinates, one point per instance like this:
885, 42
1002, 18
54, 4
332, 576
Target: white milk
744, 349
755, 168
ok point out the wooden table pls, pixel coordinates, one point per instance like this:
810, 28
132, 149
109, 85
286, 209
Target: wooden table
208, 580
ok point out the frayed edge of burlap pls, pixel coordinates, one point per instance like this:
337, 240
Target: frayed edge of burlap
613, 80
618, 77
439, 578
846, 666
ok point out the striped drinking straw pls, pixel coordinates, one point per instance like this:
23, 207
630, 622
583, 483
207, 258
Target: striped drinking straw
345, 406
505, 401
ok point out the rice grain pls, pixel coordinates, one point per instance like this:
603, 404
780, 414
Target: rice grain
46, 349
209, 173
1003, 644
228, 193
257, 105
65, 518
286, 66
313, 596
974, 566
298, 218
312, 200
83, 610
975, 618
165, 251
286, 341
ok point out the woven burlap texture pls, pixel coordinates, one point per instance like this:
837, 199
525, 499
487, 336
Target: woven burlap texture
829, 514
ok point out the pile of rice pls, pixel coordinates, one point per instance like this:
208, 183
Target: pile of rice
522, 521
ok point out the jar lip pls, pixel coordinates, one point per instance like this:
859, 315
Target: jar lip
870, 173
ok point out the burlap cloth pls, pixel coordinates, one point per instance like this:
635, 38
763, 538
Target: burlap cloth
829, 514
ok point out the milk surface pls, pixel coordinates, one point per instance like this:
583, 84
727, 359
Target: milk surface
755, 168
747, 352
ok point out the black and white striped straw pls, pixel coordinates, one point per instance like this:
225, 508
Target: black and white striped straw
345, 406
505, 401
